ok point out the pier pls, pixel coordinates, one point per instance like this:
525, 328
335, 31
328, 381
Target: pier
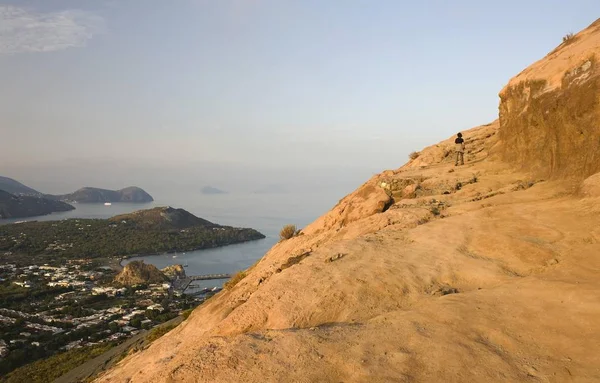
183, 283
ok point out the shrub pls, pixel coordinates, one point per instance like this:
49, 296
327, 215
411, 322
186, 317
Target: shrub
287, 232
234, 280
414, 155
568, 37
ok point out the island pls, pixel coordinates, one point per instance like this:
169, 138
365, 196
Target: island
131, 194
150, 231
23, 206
212, 190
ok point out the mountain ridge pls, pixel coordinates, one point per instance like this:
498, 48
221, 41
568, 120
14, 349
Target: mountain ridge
12, 186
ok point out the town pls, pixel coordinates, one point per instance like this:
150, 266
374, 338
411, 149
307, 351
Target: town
49, 309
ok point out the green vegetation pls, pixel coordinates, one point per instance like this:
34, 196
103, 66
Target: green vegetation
186, 313
54, 367
19, 298
105, 238
160, 331
287, 232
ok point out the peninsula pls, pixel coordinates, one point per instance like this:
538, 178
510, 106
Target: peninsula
152, 231
24, 206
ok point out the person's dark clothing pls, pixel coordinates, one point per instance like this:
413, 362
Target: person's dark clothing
460, 151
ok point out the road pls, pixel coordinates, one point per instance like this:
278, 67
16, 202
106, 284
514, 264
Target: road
103, 362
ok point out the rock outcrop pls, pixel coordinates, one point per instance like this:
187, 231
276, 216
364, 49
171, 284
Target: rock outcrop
429, 272
550, 112
138, 272
174, 271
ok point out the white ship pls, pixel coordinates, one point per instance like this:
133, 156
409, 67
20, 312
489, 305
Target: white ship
107, 204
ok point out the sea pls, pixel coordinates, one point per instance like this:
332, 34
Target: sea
267, 213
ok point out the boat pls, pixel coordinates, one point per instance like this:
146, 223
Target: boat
107, 204
174, 256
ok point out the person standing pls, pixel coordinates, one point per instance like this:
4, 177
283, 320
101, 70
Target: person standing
459, 147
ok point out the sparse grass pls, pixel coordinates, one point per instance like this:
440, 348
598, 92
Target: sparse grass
287, 232
46, 370
234, 280
159, 331
186, 313
414, 155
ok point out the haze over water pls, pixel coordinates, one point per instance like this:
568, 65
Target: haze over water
267, 213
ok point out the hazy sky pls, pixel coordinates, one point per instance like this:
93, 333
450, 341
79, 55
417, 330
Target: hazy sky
230, 92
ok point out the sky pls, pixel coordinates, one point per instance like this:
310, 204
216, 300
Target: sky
240, 94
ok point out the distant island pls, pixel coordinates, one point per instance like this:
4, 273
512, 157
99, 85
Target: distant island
23, 206
212, 190
152, 231
21, 201
95, 195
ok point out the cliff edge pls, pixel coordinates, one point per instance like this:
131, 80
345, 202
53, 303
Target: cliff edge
429, 272
549, 113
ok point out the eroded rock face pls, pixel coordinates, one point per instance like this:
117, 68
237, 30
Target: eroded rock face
591, 186
138, 272
550, 113
367, 200
174, 271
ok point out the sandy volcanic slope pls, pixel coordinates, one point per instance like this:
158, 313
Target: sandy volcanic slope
503, 288
430, 273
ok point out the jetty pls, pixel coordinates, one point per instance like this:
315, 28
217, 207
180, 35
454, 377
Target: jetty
183, 283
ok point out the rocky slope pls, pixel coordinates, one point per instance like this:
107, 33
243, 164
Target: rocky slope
430, 272
12, 206
138, 272
95, 195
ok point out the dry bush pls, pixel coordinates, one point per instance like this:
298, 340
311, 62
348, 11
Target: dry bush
234, 280
287, 232
568, 37
414, 155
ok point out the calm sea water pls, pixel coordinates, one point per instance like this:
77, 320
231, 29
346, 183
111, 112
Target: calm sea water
266, 213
